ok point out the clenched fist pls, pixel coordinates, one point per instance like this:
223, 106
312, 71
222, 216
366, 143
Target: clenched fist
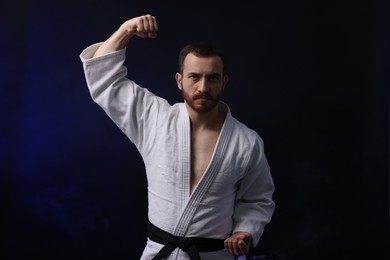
144, 26
238, 243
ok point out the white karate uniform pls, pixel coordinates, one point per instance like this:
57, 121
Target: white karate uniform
234, 193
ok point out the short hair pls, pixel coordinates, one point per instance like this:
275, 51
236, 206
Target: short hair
200, 49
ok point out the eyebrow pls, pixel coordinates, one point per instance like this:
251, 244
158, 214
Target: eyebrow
208, 75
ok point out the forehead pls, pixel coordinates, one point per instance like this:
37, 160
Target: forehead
193, 63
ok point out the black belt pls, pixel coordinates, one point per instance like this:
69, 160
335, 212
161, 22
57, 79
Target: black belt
192, 245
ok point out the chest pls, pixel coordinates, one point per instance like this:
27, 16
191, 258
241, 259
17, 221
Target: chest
202, 150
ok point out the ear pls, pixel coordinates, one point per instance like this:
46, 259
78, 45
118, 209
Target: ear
179, 80
225, 80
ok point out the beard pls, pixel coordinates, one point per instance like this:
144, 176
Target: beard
201, 102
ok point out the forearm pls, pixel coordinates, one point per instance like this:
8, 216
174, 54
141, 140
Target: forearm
144, 26
118, 40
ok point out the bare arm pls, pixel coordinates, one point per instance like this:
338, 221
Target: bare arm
144, 26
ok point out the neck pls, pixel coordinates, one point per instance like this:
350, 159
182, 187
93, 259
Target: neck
207, 120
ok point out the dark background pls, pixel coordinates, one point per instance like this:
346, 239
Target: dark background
311, 77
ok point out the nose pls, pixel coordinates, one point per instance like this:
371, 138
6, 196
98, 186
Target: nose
202, 86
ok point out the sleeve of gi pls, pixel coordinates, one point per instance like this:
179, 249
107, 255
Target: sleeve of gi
254, 204
134, 110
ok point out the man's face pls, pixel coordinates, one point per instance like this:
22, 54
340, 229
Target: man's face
202, 82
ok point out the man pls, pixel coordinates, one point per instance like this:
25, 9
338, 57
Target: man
209, 184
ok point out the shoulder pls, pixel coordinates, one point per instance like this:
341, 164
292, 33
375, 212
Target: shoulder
243, 136
246, 132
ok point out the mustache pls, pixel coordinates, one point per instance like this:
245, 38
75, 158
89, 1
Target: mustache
203, 95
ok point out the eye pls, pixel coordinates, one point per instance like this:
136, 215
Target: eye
213, 78
193, 76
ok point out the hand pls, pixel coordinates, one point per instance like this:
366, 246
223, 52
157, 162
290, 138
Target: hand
238, 243
144, 26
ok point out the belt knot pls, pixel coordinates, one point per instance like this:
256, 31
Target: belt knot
184, 243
